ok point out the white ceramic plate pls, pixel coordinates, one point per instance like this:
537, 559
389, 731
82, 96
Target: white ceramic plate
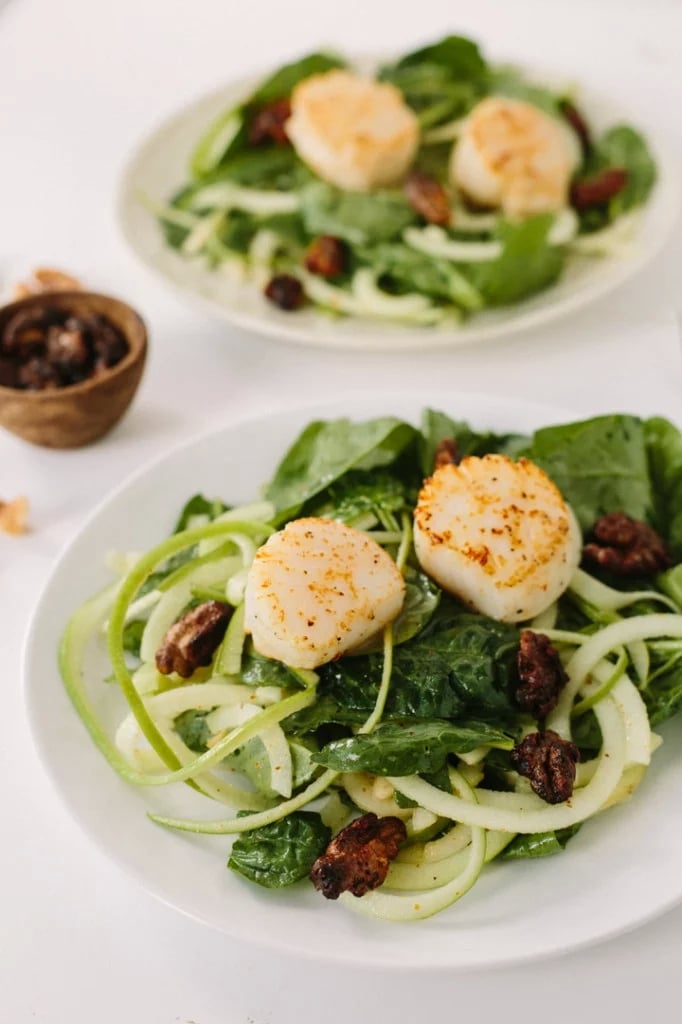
620, 870
160, 166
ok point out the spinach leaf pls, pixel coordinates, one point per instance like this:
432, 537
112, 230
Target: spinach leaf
539, 844
670, 582
440, 81
599, 465
510, 81
198, 505
282, 81
622, 146
277, 168
467, 668
408, 747
326, 710
437, 426
459, 55
327, 449
362, 496
403, 269
280, 854
422, 597
664, 449
664, 699
527, 263
257, 670
132, 636
192, 729
360, 218
227, 135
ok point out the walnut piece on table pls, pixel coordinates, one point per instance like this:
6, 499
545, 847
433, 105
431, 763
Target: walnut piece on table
46, 279
14, 516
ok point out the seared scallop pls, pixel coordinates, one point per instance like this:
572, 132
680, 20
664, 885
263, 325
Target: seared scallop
498, 535
318, 589
512, 155
354, 132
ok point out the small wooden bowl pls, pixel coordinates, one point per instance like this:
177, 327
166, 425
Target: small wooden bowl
79, 414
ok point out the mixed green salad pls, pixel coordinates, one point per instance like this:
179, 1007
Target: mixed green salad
422, 725
253, 208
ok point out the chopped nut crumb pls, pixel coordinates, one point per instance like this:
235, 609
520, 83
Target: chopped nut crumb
14, 516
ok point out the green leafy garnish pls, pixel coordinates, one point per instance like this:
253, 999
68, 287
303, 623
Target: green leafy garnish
280, 854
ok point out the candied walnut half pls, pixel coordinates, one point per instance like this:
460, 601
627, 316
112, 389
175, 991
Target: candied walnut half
24, 333
626, 546
358, 858
269, 124
446, 454
192, 640
578, 123
548, 761
285, 291
428, 197
541, 674
14, 515
326, 256
598, 188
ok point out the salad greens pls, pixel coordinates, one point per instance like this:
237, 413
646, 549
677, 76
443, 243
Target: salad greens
282, 853
421, 722
252, 206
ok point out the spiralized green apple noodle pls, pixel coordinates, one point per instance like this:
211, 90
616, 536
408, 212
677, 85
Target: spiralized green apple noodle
452, 832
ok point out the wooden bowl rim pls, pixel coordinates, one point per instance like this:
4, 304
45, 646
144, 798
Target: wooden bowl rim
136, 339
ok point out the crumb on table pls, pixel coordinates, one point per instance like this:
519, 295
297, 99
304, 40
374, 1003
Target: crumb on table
14, 515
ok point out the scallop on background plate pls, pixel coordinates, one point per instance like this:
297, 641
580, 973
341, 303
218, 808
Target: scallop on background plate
620, 870
159, 168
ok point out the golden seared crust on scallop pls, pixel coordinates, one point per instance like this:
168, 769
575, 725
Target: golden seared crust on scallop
498, 535
317, 589
354, 132
513, 155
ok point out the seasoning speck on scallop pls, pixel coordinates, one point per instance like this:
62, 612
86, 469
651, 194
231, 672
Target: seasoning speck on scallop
318, 589
498, 535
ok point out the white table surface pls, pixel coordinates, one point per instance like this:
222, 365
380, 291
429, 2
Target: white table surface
80, 83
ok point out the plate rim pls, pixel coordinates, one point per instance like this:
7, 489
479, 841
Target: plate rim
305, 949
364, 334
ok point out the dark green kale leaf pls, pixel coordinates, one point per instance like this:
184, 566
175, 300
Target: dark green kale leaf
280, 854
467, 668
408, 747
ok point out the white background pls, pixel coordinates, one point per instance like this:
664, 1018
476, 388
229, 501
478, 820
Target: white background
81, 82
